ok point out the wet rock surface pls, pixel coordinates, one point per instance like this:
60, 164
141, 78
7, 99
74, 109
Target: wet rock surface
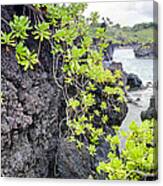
151, 112
134, 82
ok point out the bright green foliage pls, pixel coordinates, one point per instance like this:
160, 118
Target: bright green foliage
7, 39
94, 18
20, 26
82, 69
57, 12
137, 159
95, 134
100, 33
90, 87
42, 31
25, 57
97, 112
74, 103
79, 144
87, 100
113, 91
39, 6
105, 119
77, 52
103, 105
92, 150
67, 14
76, 9
66, 34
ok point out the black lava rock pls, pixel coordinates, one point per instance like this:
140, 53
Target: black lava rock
133, 81
73, 163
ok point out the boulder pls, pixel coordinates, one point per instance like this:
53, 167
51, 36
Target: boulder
134, 82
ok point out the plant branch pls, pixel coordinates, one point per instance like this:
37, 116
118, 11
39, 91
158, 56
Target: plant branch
5, 21
39, 49
140, 173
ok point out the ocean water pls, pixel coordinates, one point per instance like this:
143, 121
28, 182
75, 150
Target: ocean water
144, 69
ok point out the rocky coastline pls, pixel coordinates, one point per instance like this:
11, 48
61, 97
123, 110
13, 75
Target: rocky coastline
31, 115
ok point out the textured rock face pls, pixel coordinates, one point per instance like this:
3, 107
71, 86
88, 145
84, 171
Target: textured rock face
71, 162
29, 119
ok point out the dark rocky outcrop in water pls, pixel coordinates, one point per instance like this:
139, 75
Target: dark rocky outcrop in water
151, 112
146, 51
32, 109
131, 80
134, 82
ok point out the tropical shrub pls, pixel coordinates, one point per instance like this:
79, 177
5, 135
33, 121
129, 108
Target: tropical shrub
137, 160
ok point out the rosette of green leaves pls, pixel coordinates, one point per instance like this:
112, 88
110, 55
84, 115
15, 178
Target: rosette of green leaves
42, 31
25, 57
20, 26
7, 39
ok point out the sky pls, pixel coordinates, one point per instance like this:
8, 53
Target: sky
124, 13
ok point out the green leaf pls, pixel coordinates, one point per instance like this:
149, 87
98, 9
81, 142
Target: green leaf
73, 103
92, 150
133, 126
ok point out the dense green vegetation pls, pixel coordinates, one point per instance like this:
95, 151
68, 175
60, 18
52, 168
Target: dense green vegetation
71, 39
139, 33
127, 36
137, 160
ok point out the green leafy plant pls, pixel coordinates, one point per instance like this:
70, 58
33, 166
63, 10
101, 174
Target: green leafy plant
83, 69
103, 105
25, 57
137, 159
20, 26
7, 39
105, 119
94, 18
41, 31
66, 34
74, 103
92, 150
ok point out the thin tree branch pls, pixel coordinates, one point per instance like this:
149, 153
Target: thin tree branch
5, 21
